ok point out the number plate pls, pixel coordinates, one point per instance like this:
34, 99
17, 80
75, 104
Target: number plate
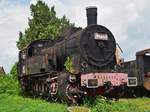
100, 36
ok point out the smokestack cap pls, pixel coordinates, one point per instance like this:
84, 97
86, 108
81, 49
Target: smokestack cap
91, 12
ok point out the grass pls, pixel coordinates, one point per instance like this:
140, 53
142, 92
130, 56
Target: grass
14, 103
124, 105
8, 85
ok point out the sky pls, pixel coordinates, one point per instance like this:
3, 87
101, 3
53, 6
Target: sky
128, 20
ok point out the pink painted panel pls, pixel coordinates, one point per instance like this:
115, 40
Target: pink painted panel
115, 78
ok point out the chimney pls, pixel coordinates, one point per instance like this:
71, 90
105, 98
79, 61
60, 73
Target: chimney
91, 13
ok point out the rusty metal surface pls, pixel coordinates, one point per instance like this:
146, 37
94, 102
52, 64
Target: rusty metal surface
68, 31
36, 64
148, 74
147, 83
118, 56
116, 79
143, 52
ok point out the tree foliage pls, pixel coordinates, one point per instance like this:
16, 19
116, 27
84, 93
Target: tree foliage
43, 24
13, 71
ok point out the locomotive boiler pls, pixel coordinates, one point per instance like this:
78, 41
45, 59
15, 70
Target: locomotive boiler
82, 62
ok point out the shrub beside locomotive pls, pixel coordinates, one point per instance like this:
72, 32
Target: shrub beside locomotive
82, 62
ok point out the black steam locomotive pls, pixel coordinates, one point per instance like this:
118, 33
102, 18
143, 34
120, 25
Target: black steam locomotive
82, 62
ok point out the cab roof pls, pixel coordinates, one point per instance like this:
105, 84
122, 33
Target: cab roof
142, 52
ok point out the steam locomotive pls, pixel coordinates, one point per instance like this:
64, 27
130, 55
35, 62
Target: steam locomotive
82, 62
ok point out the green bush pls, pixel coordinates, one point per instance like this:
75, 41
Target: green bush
13, 70
8, 85
102, 105
69, 65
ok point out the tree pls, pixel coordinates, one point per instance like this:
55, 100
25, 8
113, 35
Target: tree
13, 71
43, 24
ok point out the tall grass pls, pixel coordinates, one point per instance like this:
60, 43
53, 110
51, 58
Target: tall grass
124, 105
15, 103
8, 85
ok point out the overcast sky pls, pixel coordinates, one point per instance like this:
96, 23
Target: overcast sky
129, 21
